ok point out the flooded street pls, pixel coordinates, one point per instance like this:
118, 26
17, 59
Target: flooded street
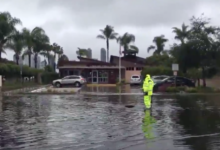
85, 122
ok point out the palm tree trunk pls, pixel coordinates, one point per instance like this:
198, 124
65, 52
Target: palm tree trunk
107, 44
1, 49
17, 59
203, 77
54, 65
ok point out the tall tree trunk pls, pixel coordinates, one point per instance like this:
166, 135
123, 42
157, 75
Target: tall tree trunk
1, 49
107, 44
17, 59
203, 77
54, 64
29, 60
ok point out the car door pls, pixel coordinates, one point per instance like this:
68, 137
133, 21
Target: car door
65, 80
73, 80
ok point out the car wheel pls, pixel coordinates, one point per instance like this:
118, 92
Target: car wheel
77, 84
57, 84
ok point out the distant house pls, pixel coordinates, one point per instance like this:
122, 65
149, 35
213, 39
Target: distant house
94, 71
133, 65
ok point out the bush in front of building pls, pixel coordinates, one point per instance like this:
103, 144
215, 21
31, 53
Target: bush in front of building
10, 70
48, 77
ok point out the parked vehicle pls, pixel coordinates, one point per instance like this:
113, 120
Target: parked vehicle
172, 81
135, 80
69, 80
158, 78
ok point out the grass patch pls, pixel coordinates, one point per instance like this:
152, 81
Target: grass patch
8, 86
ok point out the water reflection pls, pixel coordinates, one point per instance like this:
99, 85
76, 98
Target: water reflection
103, 122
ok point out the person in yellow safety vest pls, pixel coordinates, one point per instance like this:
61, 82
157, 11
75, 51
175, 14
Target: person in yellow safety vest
148, 91
147, 126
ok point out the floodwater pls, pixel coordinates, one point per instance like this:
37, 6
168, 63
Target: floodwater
83, 122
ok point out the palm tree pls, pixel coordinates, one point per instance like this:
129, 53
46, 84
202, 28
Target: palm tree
81, 52
40, 44
7, 29
125, 41
16, 44
107, 34
181, 34
56, 50
32, 41
160, 43
46, 52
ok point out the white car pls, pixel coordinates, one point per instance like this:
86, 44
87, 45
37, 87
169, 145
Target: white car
135, 79
69, 80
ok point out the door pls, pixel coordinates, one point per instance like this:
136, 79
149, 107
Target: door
94, 76
65, 80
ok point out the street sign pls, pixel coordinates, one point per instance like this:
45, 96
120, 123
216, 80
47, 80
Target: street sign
175, 67
175, 73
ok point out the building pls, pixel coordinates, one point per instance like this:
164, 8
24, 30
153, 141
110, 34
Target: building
94, 71
103, 54
89, 53
133, 65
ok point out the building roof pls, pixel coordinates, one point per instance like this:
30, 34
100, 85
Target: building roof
134, 59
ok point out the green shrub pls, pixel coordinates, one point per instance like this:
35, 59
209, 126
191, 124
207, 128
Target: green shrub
48, 77
10, 70
191, 90
158, 71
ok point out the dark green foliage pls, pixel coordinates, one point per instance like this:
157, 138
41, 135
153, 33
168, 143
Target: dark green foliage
48, 77
12, 70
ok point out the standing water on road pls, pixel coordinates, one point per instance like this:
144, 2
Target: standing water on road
81, 122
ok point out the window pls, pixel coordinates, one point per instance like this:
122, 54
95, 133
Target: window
130, 68
67, 77
139, 68
74, 77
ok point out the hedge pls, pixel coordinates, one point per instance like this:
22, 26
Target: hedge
13, 70
191, 73
48, 77
158, 71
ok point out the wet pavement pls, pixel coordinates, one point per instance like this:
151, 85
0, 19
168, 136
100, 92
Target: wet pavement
80, 122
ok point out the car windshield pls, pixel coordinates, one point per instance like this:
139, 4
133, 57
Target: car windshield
135, 77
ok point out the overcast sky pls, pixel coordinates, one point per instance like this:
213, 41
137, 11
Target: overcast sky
76, 23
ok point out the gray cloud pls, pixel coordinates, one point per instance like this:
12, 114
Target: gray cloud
76, 23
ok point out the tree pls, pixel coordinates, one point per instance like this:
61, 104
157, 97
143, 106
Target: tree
107, 34
7, 29
202, 38
56, 49
181, 34
40, 43
81, 52
125, 41
33, 39
16, 44
159, 45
